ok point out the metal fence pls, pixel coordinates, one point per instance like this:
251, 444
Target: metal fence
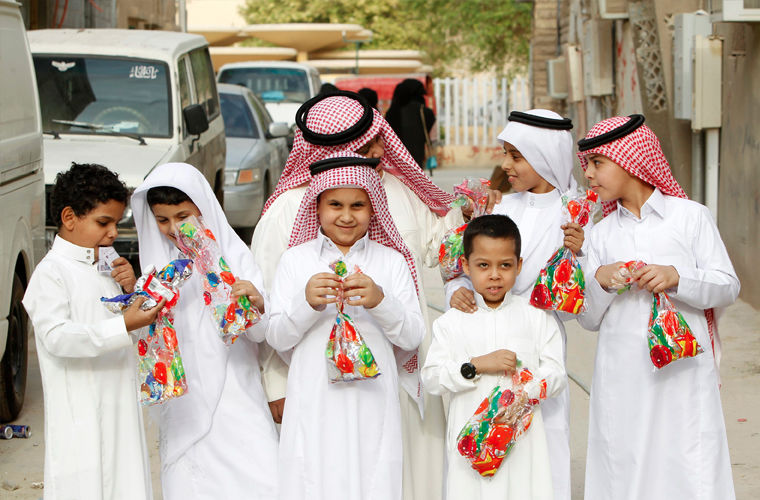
472, 111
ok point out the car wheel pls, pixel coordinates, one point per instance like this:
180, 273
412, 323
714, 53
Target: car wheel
14, 362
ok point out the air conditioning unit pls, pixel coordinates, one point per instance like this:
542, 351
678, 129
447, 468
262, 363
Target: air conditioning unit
707, 95
597, 57
613, 9
686, 27
743, 11
556, 75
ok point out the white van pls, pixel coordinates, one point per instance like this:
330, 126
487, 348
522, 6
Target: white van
22, 203
283, 86
130, 100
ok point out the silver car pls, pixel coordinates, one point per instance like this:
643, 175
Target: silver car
256, 155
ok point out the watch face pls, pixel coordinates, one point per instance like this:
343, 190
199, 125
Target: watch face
468, 370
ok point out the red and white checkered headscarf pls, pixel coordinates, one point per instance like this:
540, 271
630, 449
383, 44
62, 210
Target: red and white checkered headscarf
337, 113
639, 153
381, 226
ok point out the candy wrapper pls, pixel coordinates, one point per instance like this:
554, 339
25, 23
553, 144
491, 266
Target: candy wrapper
159, 363
348, 356
231, 316
505, 415
471, 192
669, 336
560, 284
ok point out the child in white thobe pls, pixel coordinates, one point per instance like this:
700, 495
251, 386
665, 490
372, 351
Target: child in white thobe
217, 440
420, 213
470, 351
94, 437
538, 150
343, 439
653, 433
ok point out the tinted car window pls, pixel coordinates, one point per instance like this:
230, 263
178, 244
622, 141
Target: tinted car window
106, 94
271, 84
205, 85
238, 120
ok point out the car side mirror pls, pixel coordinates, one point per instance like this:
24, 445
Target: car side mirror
278, 129
196, 120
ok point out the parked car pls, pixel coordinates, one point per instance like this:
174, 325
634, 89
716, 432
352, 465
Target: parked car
282, 85
256, 155
130, 100
22, 203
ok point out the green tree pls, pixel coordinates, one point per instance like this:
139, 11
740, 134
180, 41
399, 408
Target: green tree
489, 35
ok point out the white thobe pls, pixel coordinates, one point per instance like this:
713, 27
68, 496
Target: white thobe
657, 434
458, 337
218, 440
422, 232
94, 437
342, 439
539, 217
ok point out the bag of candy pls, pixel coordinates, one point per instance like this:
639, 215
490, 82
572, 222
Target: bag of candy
348, 356
668, 334
231, 316
560, 284
159, 363
471, 192
505, 415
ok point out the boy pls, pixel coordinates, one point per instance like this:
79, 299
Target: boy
217, 440
343, 439
94, 437
471, 351
649, 427
538, 161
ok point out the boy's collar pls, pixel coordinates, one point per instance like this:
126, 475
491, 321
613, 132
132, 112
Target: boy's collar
324, 243
72, 251
654, 204
482, 303
541, 200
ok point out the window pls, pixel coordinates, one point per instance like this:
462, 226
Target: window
205, 85
91, 95
271, 84
238, 120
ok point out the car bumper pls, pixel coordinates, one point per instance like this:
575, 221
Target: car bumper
243, 204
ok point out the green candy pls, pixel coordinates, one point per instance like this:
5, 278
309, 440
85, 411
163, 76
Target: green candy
223, 264
340, 268
187, 229
244, 302
366, 355
177, 369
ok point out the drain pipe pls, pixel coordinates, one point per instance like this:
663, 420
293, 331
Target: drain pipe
712, 155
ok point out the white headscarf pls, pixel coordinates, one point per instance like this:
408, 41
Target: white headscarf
549, 151
187, 419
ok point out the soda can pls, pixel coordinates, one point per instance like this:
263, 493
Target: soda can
6, 432
21, 431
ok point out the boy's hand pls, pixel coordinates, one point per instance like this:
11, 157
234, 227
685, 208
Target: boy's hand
573, 236
498, 362
244, 287
464, 300
494, 197
656, 278
277, 408
362, 291
321, 289
135, 318
124, 274
605, 274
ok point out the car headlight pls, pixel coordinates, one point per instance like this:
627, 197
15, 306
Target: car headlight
230, 177
248, 176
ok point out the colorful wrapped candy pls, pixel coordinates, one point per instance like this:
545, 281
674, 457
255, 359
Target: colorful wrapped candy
505, 415
348, 356
668, 334
471, 192
232, 316
560, 284
159, 363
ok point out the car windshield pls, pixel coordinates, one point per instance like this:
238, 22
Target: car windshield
238, 120
271, 84
99, 95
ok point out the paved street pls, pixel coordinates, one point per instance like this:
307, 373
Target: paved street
21, 459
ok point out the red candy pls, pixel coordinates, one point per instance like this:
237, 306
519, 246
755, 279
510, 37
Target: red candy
142, 347
159, 372
467, 446
344, 364
660, 355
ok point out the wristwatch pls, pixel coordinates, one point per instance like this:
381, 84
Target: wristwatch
468, 370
